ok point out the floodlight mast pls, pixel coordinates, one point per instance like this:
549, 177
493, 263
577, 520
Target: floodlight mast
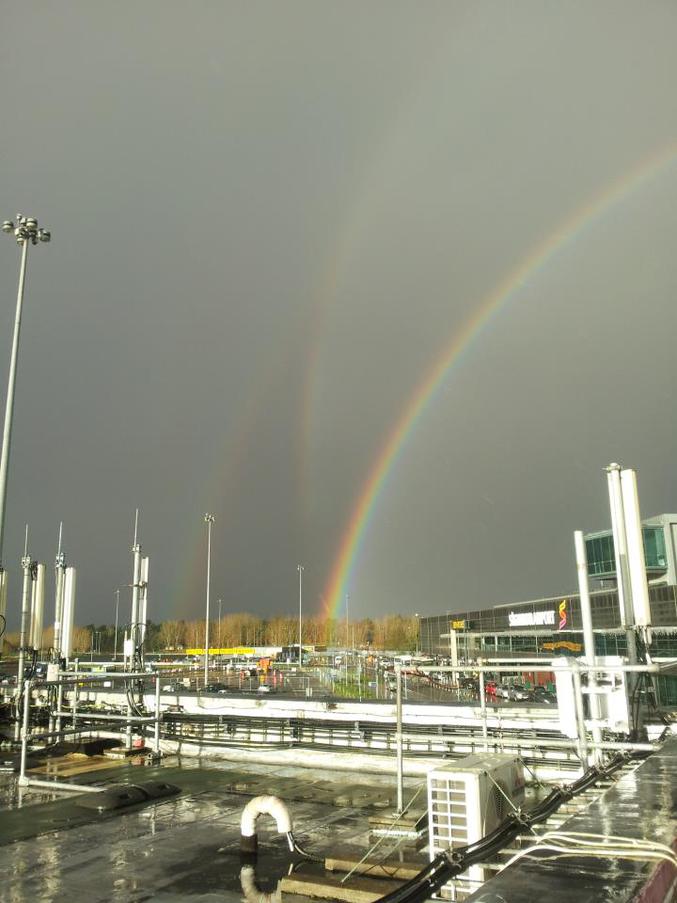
26, 232
209, 520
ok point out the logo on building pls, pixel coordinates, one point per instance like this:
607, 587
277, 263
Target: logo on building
531, 618
563, 614
458, 625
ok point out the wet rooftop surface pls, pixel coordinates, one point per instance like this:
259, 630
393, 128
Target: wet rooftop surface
185, 847
641, 805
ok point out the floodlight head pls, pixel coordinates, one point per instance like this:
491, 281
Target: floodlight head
31, 224
8, 226
44, 235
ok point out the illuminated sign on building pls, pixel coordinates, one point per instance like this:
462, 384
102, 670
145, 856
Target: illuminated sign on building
563, 614
458, 625
563, 645
532, 618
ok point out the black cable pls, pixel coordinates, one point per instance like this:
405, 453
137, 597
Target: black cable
450, 863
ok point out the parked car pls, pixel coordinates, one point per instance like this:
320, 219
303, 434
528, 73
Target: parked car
502, 691
519, 693
216, 688
543, 695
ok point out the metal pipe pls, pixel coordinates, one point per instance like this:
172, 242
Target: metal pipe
93, 716
69, 677
24, 733
74, 703
60, 785
483, 705
25, 594
398, 739
157, 715
653, 668
9, 403
580, 715
588, 634
117, 612
59, 706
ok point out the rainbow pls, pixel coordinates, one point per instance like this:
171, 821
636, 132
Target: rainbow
570, 228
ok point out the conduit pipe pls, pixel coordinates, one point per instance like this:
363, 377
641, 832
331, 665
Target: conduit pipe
264, 805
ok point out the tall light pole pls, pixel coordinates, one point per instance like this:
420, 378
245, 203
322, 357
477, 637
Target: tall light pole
219, 601
299, 568
117, 612
27, 232
209, 520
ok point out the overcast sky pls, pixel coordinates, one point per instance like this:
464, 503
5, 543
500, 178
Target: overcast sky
269, 220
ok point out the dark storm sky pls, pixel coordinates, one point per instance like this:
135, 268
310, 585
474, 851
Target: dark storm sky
268, 221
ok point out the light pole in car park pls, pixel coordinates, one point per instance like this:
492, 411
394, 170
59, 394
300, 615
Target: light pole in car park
27, 232
209, 520
299, 568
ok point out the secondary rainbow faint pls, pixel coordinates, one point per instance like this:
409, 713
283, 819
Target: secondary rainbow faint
538, 256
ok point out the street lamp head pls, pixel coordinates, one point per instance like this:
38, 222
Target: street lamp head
209, 518
25, 228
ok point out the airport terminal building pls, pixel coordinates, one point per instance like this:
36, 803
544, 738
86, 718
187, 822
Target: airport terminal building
552, 626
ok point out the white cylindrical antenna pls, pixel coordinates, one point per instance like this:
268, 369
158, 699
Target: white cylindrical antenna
143, 598
636, 561
68, 612
59, 568
620, 544
134, 633
37, 606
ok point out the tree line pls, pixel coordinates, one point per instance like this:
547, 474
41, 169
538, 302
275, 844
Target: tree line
396, 632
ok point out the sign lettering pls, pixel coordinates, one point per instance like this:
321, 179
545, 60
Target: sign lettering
531, 618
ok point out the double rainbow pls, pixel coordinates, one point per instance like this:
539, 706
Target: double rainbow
422, 397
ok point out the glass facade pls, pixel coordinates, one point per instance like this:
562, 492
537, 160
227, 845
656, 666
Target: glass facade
600, 551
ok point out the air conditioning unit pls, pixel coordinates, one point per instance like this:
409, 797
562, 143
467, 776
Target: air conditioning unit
467, 799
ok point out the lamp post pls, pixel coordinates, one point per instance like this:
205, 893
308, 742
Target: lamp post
117, 612
27, 232
209, 520
299, 568
219, 603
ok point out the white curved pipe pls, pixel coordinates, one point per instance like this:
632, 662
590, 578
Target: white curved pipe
262, 805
